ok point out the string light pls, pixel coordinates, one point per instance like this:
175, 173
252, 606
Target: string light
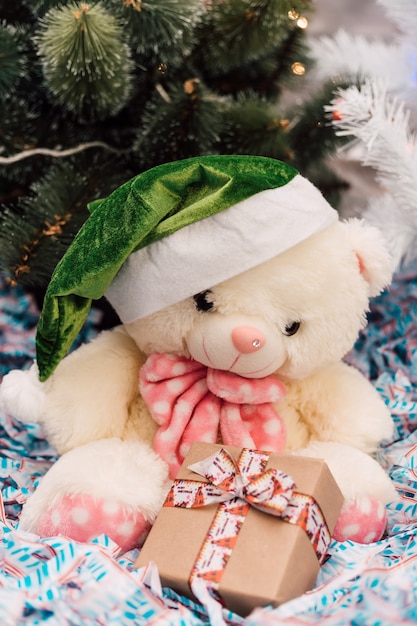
293, 15
298, 68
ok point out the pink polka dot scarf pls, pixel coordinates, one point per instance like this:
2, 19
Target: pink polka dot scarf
192, 402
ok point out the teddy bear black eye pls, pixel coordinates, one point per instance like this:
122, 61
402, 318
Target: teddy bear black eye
291, 328
201, 301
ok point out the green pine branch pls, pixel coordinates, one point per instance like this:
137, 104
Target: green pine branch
86, 62
255, 126
118, 86
46, 219
159, 31
242, 29
181, 121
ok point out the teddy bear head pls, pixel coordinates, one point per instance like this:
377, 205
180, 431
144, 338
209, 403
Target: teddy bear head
292, 314
236, 261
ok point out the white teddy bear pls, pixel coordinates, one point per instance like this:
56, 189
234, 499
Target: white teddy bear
239, 292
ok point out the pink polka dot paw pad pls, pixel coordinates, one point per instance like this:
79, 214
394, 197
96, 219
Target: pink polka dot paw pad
82, 517
362, 520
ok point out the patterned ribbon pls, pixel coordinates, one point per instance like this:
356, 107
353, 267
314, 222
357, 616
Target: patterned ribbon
237, 487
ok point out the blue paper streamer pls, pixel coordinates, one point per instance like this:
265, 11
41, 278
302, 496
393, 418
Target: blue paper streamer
57, 582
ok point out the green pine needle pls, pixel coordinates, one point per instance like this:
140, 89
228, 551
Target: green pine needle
11, 66
267, 75
18, 130
159, 30
312, 136
181, 122
40, 7
247, 29
85, 60
255, 127
36, 231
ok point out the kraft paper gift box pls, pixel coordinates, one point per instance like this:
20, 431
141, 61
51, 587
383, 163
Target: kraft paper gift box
247, 556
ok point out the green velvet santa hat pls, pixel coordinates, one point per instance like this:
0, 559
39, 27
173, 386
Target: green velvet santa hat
171, 232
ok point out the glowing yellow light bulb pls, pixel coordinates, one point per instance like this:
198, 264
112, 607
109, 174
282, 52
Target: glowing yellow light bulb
302, 22
298, 68
293, 14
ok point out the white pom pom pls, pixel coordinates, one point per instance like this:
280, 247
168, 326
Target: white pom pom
22, 395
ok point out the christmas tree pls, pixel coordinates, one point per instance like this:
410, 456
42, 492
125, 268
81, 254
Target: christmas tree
377, 115
92, 94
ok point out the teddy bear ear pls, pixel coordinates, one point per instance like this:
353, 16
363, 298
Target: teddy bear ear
374, 260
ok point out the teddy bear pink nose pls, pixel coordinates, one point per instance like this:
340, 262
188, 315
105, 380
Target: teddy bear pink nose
247, 339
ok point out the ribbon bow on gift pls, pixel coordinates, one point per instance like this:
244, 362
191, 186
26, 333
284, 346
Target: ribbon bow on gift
192, 402
236, 487
268, 490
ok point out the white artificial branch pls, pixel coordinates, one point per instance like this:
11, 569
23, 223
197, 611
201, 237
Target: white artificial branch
355, 57
25, 154
381, 125
397, 226
403, 13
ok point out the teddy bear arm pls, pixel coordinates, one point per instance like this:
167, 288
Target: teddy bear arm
92, 391
106, 486
338, 404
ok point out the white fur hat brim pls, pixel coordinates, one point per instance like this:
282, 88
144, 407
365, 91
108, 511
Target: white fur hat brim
212, 250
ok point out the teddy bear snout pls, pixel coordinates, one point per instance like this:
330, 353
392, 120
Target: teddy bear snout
247, 339
238, 343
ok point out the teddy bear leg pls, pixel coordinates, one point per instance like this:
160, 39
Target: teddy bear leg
362, 519
108, 486
82, 517
365, 485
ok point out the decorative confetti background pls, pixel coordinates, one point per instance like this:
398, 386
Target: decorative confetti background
59, 582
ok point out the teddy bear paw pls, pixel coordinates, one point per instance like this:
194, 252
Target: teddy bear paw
362, 519
22, 395
109, 486
82, 517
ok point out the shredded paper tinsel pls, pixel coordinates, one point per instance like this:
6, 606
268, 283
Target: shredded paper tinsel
60, 582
